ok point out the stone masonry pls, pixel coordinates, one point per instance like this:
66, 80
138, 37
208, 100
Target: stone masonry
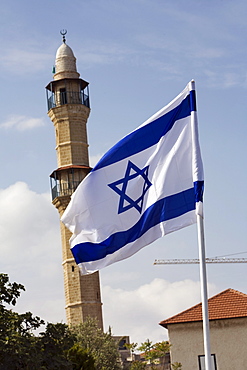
82, 292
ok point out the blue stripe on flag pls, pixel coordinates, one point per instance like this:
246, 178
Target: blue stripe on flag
193, 100
199, 188
145, 136
163, 210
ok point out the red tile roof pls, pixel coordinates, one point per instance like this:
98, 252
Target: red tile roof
228, 304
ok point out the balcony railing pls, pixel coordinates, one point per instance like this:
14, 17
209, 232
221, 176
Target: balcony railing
63, 189
67, 97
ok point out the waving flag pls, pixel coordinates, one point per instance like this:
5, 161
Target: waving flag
148, 185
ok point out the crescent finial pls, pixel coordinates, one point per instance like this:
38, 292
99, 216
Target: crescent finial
63, 33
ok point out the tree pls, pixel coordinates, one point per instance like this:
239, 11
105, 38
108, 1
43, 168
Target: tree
101, 346
17, 341
138, 365
53, 344
80, 358
153, 352
9, 292
177, 366
131, 347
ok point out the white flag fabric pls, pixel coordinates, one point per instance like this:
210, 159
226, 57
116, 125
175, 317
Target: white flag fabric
148, 185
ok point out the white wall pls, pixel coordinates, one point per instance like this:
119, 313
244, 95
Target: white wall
228, 342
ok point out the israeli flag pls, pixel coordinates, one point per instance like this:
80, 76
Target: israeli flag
146, 186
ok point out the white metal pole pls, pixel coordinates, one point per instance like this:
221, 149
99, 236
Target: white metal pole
198, 176
204, 294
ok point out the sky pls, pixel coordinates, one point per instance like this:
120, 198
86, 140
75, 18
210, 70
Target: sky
137, 55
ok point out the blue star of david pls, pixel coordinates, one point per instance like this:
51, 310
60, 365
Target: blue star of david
125, 184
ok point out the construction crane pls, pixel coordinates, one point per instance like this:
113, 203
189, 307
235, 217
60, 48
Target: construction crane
197, 261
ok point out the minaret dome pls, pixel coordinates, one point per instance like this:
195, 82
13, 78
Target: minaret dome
65, 64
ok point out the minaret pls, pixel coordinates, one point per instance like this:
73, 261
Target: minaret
68, 108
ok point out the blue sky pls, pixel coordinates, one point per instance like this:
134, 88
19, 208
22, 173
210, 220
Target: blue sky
137, 55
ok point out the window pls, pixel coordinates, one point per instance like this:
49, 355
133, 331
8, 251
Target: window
201, 360
121, 344
63, 96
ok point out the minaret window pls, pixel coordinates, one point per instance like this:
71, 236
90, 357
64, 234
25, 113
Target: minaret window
63, 96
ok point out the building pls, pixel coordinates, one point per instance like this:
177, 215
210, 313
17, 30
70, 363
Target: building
228, 333
126, 355
69, 109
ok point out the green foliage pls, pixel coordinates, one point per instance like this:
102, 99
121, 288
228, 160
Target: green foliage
152, 352
17, 342
101, 346
131, 346
53, 344
138, 365
19, 347
9, 292
177, 366
80, 358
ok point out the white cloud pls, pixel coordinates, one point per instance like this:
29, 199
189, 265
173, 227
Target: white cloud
107, 52
94, 159
118, 276
22, 123
228, 78
25, 61
138, 312
31, 250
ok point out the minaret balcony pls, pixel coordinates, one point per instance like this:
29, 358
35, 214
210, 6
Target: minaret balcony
65, 180
67, 97
67, 91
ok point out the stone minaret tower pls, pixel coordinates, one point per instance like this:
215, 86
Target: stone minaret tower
68, 108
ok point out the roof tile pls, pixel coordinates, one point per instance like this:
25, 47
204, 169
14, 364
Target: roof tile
226, 305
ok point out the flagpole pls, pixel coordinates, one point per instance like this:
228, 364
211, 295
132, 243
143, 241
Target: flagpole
197, 176
204, 295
